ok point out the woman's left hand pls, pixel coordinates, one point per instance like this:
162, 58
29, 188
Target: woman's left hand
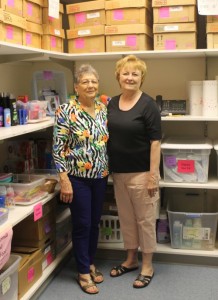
153, 185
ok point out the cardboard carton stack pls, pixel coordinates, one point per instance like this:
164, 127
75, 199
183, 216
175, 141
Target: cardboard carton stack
12, 22
128, 25
212, 32
175, 24
86, 27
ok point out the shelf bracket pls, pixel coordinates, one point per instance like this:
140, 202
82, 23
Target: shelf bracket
18, 57
206, 129
65, 63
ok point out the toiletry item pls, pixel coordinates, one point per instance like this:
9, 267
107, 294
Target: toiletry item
7, 117
163, 235
3, 193
177, 235
1, 116
10, 197
197, 239
13, 109
187, 236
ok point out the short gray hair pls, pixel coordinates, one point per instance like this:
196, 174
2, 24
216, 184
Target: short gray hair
85, 69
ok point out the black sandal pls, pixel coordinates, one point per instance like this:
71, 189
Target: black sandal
120, 270
144, 279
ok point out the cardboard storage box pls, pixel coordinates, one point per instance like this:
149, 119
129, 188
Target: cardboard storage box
186, 160
132, 37
120, 12
53, 38
89, 13
159, 3
212, 35
48, 253
9, 279
86, 39
30, 268
192, 219
175, 14
176, 36
46, 19
32, 10
15, 7
32, 36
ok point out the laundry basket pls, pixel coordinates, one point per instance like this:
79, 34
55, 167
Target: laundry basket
110, 230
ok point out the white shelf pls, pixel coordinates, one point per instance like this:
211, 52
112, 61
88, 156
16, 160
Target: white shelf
189, 118
164, 249
8, 132
47, 272
211, 184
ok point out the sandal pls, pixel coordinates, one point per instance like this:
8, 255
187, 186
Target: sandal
120, 270
144, 279
85, 287
95, 274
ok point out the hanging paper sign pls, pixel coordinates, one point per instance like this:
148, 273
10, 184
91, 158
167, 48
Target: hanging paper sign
206, 7
53, 8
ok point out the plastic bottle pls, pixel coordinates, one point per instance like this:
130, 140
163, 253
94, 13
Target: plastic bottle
187, 239
196, 244
13, 109
10, 197
163, 234
7, 117
177, 234
3, 193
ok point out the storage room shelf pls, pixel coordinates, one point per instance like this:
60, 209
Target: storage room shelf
188, 118
47, 272
8, 132
164, 249
18, 213
211, 184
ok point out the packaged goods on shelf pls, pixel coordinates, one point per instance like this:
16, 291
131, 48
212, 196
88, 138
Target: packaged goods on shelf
63, 230
9, 279
109, 231
46, 19
16, 8
133, 37
193, 220
32, 11
53, 38
5, 244
86, 14
212, 35
186, 160
88, 39
32, 36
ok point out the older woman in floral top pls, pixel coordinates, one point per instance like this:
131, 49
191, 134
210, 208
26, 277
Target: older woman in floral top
80, 154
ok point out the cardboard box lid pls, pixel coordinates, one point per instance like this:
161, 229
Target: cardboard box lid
14, 20
34, 27
48, 29
114, 4
39, 2
85, 31
212, 27
128, 29
159, 3
28, 255
85, 6
175, 27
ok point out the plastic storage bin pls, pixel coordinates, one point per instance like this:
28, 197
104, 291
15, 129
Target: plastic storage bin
193, 220
186, 160
27, 188
9, 279
63, 230
215, 145
110, 230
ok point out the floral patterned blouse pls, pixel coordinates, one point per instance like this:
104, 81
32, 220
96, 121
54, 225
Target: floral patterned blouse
80, 141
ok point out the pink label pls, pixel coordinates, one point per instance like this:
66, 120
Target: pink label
79, 43
80, 18
186, 166
37, 211
49, 258
30, 274
11, 3
170, 44
53, 42
131, 40
29, 9
9, 32
164, 12
28, 38
50, 18
47, 75
5, 245
118, 14
170, 161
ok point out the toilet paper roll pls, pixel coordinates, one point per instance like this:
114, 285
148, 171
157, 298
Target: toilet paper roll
195, 91
210, 103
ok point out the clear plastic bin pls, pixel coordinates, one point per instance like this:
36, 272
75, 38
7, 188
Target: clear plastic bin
9, 279
193, 220
109, 231
3, 215
27, 187
186, 160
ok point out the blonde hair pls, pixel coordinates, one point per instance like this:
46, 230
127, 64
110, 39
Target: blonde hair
133, 61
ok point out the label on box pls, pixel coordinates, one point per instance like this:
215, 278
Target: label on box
170, 161
196, 233
30, 274
118, 43
6, 284
171, 28
176, 8
93, 15
186, 166
84, 32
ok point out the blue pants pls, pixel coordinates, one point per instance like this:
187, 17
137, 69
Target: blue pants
86, 209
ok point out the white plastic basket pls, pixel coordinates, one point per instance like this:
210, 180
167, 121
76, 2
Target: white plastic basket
110, 230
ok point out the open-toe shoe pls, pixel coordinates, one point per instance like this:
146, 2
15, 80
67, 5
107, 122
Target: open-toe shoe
88, 284
120, 270
95, 274
144, 279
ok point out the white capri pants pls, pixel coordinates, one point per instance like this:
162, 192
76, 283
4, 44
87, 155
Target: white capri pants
137, 210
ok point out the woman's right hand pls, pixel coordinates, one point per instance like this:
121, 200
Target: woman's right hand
66, 188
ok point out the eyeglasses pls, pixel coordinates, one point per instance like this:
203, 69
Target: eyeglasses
87, 82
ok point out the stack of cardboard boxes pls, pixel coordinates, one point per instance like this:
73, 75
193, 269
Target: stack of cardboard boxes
128, 25
175, 24
212, 32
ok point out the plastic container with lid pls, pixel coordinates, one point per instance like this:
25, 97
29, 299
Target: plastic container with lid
186, 160
163, 234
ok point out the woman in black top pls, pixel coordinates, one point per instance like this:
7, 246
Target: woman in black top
134, 125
